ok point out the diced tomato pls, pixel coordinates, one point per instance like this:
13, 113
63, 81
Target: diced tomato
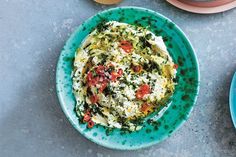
103, 86
145, 88
93, 81
175, 66
89, 76
114, 76
101, 79
120, 72
142, 91
87, 116
100, 70
137, 68
94, 99
90, 124
146, 108
96, 79
126, 46
139, 95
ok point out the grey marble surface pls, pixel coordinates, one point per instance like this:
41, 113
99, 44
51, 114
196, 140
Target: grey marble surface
33, 32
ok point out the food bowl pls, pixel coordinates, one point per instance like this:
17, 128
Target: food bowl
173, 115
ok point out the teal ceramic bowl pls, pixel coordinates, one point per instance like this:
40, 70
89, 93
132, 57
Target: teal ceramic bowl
232, 100
182, 101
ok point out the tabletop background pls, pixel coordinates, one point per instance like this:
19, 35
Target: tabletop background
33, 32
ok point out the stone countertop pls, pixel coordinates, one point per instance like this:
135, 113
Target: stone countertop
33, 32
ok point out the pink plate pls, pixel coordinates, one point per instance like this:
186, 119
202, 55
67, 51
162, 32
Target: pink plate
215, 6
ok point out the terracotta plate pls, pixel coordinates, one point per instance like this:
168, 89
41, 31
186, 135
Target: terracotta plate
204, 6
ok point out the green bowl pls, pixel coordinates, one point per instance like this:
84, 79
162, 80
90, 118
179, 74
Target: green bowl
184, 96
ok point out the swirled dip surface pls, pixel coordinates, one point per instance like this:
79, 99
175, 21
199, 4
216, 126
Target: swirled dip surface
122, 73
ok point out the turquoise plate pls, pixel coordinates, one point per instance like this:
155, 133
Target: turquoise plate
182, 101
232, 100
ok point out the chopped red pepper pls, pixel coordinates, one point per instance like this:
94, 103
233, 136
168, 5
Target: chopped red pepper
101, 79
142, 91
100, 70
93, 81
146, 108
90, 124
120, 72
103, 86
145, 88
126, 46
137, 68
89, 76
87, 116
94, 99
139, 95
175, 66
114, 76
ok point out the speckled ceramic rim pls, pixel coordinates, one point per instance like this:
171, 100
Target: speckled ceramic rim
181, 33
232, 100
